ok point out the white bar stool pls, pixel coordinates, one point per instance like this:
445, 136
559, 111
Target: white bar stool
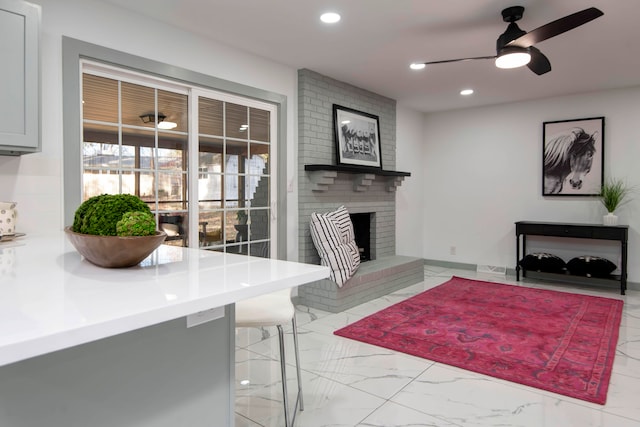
274, 309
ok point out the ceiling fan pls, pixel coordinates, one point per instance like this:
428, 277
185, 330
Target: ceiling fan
514, 47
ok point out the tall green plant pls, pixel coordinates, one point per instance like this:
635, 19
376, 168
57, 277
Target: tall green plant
614, 193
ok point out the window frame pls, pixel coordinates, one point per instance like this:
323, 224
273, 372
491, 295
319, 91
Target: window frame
74, 51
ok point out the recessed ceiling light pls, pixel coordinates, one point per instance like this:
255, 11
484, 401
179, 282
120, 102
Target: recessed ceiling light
466, 92
330, 17
417, 66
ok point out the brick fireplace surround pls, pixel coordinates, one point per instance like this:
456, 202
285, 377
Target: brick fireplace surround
322, 191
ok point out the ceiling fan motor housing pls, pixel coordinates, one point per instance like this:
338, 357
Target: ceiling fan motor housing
512, 33
512, 14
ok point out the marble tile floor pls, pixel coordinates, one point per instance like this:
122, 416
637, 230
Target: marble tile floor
347, 383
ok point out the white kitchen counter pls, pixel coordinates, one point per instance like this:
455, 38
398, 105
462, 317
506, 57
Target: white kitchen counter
84, 346
52, 299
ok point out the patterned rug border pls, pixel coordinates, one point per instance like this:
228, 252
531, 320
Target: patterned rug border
559, 372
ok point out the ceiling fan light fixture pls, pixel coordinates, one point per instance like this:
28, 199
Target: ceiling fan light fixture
151, 118
513, 57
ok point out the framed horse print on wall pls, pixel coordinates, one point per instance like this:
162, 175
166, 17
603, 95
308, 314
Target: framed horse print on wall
573, 157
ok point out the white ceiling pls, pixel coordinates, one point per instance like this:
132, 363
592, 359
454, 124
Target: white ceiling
376, 40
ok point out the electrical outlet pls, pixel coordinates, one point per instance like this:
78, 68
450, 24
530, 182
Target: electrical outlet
452, 250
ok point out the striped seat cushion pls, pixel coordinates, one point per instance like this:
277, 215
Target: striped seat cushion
333, 236
342, 219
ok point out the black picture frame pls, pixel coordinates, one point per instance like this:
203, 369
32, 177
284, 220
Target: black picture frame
573, 157
357, 137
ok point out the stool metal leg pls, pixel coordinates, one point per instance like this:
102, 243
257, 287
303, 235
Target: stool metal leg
283, 369
297, 354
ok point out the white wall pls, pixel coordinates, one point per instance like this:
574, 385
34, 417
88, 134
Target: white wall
35, 180
483, 173
409, 196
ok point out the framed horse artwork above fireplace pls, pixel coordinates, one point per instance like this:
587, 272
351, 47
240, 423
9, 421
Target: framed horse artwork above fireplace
573, 157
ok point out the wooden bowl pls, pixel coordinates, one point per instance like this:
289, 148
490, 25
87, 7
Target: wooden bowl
114, 251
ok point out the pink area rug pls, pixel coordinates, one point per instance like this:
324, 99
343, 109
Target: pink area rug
556, 341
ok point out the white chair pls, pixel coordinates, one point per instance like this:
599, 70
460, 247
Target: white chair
275, 309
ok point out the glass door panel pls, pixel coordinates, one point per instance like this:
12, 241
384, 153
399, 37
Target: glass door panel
138, 105
236, 121
211, 228
99, 99
210, 116
174, 111
233, 174
260, 125
127, 147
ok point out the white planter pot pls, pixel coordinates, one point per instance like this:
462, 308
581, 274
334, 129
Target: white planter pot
8, 217
610, 219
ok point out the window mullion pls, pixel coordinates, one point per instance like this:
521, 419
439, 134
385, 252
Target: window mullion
223, 189
120, 136
154, 156
192, 168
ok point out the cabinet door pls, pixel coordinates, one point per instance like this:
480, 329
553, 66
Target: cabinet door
19, 77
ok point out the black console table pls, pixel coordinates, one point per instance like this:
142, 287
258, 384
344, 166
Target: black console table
617, 233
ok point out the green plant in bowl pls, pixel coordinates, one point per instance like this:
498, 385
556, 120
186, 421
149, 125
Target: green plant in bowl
114, 230
136, 224
99, 215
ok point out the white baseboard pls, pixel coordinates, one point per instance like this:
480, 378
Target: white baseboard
492, 269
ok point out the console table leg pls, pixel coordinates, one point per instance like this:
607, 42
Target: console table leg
517, 257
623, 272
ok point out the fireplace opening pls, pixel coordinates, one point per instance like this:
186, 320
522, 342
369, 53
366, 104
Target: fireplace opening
362, 228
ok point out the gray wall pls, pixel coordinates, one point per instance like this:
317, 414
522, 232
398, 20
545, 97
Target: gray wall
316, 96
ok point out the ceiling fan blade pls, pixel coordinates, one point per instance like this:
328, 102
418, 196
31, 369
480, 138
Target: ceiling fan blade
557, 27
539, 63
458, 60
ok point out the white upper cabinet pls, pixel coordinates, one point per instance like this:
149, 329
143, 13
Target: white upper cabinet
19, 77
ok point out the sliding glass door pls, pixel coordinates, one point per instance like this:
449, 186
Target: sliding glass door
199, 158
